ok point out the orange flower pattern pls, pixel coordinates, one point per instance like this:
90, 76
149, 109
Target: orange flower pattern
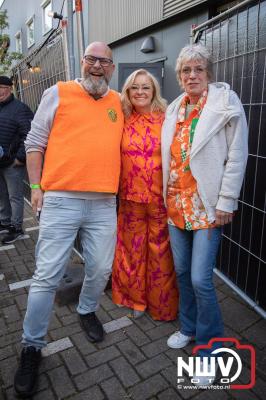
184, 206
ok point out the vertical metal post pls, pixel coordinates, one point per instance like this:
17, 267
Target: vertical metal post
192, 34
65, 48
80, 28
21, 94
70, 35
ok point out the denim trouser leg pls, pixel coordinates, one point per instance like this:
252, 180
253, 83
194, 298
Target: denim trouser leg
11, 199
194, 257
61, 218
59, 223
5, 208
181, 244
98, 238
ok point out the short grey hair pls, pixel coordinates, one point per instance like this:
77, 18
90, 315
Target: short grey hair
194, 52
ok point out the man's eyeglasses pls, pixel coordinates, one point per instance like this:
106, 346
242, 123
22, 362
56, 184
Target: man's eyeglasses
197, 70
104, 62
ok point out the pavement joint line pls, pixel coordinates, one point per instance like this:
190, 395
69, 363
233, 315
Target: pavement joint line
2, 276
7, 247
32, 228
11, 246
117, 324
57, 346
24, 237
20, 284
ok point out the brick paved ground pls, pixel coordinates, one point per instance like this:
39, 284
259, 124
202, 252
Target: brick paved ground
132, 363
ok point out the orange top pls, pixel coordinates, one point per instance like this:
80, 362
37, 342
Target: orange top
184, 206
141, 172
83, 152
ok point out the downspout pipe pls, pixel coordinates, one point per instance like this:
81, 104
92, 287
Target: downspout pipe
70, 35
65, 49
80, 28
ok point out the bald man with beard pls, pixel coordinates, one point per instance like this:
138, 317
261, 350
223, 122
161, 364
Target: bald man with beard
73, 162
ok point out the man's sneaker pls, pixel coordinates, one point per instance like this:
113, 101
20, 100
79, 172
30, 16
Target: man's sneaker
205, 380
4, 228
177, 340
13, 235
27, 372
92, 327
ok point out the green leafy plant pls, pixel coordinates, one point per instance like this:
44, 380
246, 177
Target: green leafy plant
6, 57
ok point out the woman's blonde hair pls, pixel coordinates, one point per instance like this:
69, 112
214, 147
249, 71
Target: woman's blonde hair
158, 104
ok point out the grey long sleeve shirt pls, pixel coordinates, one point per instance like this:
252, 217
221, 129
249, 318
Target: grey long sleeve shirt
41, 125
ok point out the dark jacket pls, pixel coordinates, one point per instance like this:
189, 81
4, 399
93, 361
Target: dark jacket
15, 121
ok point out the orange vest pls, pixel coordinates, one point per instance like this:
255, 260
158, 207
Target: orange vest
83, 152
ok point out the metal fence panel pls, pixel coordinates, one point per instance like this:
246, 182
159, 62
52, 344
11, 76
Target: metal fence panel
37, 72
238, 45
40, 70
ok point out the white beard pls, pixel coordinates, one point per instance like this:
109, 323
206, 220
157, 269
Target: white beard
96, 88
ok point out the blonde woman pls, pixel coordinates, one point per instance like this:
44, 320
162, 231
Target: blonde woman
143, 272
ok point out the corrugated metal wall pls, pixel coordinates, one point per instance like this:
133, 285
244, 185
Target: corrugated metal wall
171, 7
113, 19
110, 20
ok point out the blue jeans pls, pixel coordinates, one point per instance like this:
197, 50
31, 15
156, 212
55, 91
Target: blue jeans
61, 219
194, 255
11, 195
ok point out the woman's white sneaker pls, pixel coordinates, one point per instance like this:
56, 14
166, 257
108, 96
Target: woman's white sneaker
178, 340
204, 381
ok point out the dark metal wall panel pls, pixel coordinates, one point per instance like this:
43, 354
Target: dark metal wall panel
171, 7
169, 40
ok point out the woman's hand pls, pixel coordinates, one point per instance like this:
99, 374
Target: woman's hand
222, 218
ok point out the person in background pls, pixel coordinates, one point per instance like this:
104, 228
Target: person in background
143, 276
204, 155
15, 119
77, 132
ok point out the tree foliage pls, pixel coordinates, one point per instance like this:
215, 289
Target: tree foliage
6, 57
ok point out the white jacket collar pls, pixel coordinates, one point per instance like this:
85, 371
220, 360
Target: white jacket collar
217, 100
220, 107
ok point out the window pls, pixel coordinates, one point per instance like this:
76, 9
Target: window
47, 22
18, 42
30, 32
